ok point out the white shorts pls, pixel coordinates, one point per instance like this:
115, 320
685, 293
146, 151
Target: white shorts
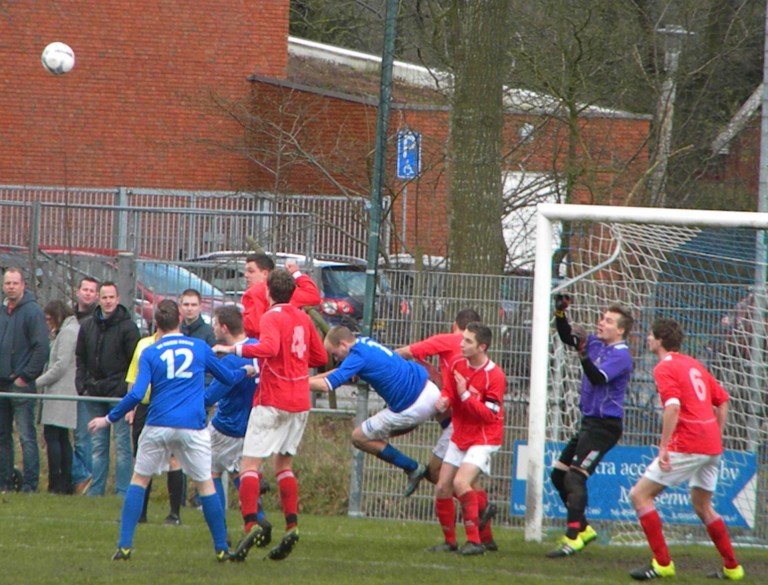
226, 451
700, 471
192, 449
477, 455
272, 431
441, 448
384, 423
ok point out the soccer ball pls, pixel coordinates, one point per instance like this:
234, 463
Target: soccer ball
58, 58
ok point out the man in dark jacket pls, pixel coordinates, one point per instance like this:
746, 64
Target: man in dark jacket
105, 346
193, 325
23, 354
87, 296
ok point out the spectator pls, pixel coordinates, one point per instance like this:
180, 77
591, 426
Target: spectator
87, 296
193, 324
59, 416
255, 303
105, 347
23, 353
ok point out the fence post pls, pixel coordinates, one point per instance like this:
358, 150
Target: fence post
358, 457
34, 246
120, 225
126, 279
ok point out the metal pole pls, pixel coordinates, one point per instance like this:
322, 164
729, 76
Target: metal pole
757, 363
380, 156
673, 36
403, 221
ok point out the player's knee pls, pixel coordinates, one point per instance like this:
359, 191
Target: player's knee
576, 486
461, 486
558, 478
358, 437
704, 510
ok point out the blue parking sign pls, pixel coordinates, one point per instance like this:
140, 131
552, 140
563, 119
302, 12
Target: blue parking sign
408, 154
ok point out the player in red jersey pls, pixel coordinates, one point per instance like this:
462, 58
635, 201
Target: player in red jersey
255, 303
695, 411
447, 347
475, 393
288, 347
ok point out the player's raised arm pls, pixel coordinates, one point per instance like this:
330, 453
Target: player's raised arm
221, 372
306, 293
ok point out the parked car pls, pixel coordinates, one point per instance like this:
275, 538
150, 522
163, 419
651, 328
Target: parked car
341, 283
58, 272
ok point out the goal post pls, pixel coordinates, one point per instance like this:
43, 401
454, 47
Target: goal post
660, 263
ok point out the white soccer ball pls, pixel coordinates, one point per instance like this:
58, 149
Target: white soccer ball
58, 58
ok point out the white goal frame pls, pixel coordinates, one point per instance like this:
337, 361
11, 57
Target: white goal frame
542, 291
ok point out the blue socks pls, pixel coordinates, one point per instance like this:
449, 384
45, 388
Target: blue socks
132, 506
213, 512
398, 459
217, 483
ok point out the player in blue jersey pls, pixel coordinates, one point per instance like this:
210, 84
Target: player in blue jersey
229, 423
175, 366
409, 394
606, 362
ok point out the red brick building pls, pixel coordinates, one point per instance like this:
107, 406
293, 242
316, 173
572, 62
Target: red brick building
215, 96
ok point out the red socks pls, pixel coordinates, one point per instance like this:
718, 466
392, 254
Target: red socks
446, 515
249, 497
651, 523
470, 514
289, 497
719, 535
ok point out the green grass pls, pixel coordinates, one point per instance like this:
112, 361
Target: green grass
55, 540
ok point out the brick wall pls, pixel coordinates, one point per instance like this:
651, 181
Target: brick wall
325, 146
137, 109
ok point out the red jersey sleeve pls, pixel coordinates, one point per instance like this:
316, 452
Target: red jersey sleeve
317, 354
666, 383
485, 404
268, 346
719, 395
306, 294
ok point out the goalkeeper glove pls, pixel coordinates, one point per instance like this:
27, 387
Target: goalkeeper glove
562, 302
579, 338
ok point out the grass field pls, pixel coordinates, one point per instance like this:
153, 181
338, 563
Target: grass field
55, 540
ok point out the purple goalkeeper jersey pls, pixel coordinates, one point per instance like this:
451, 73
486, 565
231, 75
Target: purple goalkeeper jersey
615, 362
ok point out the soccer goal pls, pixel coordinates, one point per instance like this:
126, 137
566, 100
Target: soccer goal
707, 269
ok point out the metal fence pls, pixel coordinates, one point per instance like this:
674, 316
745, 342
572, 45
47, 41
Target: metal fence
423, 303
506, 303
176, 225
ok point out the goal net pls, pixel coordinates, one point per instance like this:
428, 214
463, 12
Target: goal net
707, 270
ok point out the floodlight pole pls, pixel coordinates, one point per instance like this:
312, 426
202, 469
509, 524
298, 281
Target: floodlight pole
379, 161
757, 363
377, 181
673, 36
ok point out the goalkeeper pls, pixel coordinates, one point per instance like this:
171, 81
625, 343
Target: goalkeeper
607, 365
